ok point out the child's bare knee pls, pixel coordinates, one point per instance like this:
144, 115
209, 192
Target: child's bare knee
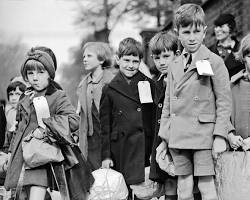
185, 187
207, 187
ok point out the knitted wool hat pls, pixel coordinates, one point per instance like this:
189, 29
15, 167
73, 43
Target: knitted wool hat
41, 57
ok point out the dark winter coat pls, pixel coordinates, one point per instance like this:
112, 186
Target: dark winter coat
156, 174
126, 124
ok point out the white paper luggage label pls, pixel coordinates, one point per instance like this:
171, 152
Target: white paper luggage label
204, 68
145, 94
42, 109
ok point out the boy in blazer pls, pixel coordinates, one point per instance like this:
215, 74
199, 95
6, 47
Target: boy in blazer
197, 106
126, 122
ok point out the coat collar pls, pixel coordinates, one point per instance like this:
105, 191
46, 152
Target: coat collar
178, 68
25, 101
160, 89
129, 90
107, 76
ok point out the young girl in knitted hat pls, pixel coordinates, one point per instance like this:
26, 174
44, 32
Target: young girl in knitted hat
38, 69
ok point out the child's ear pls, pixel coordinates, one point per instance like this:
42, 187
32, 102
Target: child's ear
176, 31
117, 59
101, 62
205, 31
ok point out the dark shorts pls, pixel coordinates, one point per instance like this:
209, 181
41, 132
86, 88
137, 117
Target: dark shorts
196, 162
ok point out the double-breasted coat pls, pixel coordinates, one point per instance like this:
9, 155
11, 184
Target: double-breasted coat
61, 111
156, 174
126, 127
196, 107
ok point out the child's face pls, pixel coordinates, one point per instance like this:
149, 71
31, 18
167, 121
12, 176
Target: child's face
14, 96
222, 32
247, 62
38, 79
191, 37
163, 60
129, 65
90, 60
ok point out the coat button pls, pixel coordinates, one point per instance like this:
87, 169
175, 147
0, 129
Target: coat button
196, 98
159, 121
175, 98
138, 109
160, 105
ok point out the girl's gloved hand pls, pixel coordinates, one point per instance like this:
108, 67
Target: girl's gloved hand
246, 144
107, 163
235, 141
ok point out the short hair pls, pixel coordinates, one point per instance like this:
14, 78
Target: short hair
228, 19
103, 52
13, 85
48, 51
189, 14
162, 41
244, 48
130, 46
32, 65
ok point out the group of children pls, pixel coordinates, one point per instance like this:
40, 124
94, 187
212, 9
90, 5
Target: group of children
127, 120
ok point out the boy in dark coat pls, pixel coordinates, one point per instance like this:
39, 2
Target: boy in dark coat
164, 50
126, 116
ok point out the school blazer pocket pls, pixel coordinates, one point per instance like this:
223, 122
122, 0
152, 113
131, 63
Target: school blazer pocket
206, 118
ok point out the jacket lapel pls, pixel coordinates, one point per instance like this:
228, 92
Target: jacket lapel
202, 54
160, 91
25, 105
82, 93
178, 71
129, 90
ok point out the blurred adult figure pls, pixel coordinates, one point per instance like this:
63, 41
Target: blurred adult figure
226, 43
2, 124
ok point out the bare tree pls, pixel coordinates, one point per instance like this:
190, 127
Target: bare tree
12, 54
103, 15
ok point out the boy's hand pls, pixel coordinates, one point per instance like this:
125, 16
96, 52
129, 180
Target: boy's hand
107, 163
246, 144
235, 141
219, 146
160, 149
